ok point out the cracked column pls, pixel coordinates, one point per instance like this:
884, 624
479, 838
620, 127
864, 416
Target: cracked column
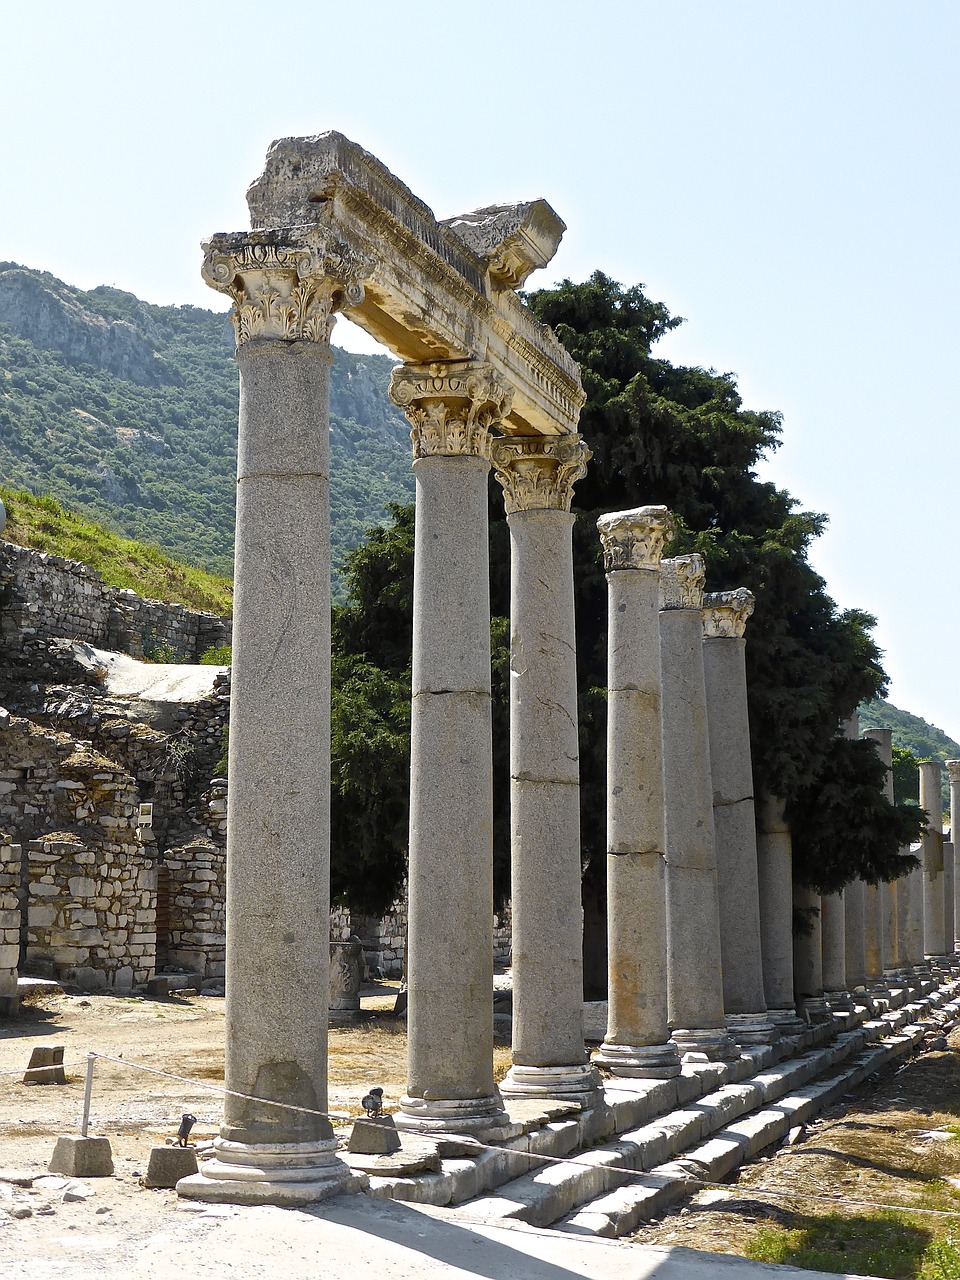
549, 1053
879, 901
451, 407
637, 1041
934, 938
775, 874
694, 972
725, 615
286, 286
953, 773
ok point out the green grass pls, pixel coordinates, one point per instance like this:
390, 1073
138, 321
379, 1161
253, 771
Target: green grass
42, 524
894, 1245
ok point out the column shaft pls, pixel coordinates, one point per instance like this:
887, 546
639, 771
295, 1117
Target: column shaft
856, 965
934, 937
833, 939
775, 868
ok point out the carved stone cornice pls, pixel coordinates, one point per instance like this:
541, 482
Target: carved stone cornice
538, 472
286, 283
635, 539
681, 582
451, 406
725, 613
953, 770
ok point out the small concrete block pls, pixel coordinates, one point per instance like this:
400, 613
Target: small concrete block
82, 1157
45, 1066
168, 1165
374, 1137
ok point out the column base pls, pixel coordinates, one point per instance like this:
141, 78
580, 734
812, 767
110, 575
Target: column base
294, 1173
787, 1022
815, 1010
839, 1001
640, 1061
577, 1083
451, 1115
752, 1028
707, 1045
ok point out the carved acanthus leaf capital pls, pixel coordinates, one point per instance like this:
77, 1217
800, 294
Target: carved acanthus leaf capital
538, 472
953, 770
635, 539
725, 613
681, 582
287, 283
451, 406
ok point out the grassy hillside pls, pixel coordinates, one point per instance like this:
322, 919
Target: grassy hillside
127, 413
926, 741
43, 524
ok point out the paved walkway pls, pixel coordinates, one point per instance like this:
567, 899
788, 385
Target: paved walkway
354, 1238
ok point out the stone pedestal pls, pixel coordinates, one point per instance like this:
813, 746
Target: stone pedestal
934, 917
775, 874
549, 1053
637, 1041
346, 977
450, 1085
694, 973
725, 617
281, 1150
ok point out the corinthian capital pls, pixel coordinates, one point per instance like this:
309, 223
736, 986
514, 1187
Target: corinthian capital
287, 283
451, 406
538, 472
681, 582
953, 771
635, 539
725, 613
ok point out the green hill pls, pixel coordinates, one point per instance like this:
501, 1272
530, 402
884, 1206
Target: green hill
127, 413
926, 741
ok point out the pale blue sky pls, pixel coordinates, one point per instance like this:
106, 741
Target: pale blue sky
782, 174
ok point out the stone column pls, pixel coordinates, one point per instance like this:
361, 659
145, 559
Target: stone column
638, 1041
888, 892
725, 617
833, 956
853, 905
694, 973
808, 954
450, 1086
934, 938
910, 916
286, 286
874, 910
549, 1054
775, 873
953, 773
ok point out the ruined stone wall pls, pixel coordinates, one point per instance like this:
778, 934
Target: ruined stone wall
92, 913
197, 908
9, 918
47, 596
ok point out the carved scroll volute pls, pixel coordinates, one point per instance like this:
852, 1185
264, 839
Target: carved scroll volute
681, 582
286, 284
725, 613
538, 472
635, 539
452, 406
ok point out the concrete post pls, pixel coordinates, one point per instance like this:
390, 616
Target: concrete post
808, 954
775, 870
450, 1085
278, 860
725, 617
549, 1053
694, 973
934, 937
638, 1041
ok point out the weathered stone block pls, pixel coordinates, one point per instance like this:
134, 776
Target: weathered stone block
77, 1157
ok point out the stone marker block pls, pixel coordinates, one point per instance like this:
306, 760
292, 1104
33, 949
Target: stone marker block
45, 1066
78, 1157
374, 1137
9, 1006
168, 1165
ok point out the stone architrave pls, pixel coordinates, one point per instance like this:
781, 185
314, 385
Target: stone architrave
808, 954
637, 1042
934, 938
286, 286
775, 874
953, 773
549, 1053
450, 1086
725, 616
694, 969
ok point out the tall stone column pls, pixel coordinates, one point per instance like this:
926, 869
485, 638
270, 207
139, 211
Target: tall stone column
450, 1087
853, 905
549, 1053
934, 938
638, 1041
808, 954
910, 916
775, 873
833, 956
953, 773
874, 910
694, 972
280, 1149
725, 617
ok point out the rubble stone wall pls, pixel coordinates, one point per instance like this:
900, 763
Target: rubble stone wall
9, 916
197, 908
44, 595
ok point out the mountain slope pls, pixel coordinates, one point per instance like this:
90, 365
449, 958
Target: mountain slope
127, 412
